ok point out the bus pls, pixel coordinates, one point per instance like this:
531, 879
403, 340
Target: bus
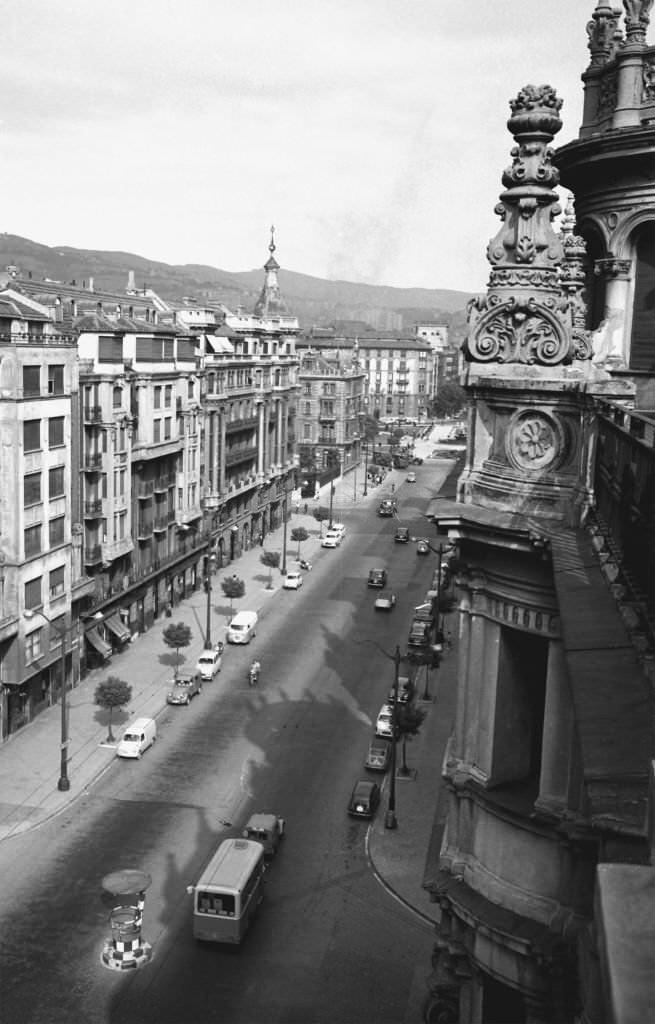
229, 891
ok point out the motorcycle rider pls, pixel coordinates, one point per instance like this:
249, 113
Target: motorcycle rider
255, 669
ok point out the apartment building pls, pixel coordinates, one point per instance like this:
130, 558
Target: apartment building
143, 439
42, 581
400, 370
330, 406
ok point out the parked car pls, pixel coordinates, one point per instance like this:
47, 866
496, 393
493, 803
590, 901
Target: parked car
411, 478
331, 540
387, 508
209, 662
292, 580
422, 548
385, 601
138, 736
383, 724
424, 613
377, 577
379, 755
416, 461
184, 689
266, 829
419, 634
338, 528
364, 799
405, 690
402, 535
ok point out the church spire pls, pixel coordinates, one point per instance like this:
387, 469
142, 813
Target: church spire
270, 302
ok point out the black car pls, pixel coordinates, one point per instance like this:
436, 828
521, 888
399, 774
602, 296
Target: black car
416, 461
401, 535
364, 799
419, 634
377, 577
387, 508
379, 755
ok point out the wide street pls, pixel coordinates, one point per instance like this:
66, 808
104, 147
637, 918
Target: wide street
329, 944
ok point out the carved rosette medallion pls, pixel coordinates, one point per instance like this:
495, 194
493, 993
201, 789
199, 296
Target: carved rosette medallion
519, 331
535, 441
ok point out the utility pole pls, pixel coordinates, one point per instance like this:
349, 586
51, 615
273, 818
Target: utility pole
390, 820
208, 588
331, 503
283, 568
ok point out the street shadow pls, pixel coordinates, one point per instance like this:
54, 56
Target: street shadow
118, 719
262, 577
171, 659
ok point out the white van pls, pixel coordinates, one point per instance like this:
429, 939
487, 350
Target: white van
209, 662
139, 735
242, 628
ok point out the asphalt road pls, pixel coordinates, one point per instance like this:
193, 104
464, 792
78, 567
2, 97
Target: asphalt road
329, 944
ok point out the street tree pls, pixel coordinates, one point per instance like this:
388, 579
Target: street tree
299, 534
177, 635
320, 515
110, 694
271, 559
450, 399
233, 587
370, 427
409, 720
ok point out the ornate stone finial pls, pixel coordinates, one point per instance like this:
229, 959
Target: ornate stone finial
526, 315
637, 18
572, 281
604, 33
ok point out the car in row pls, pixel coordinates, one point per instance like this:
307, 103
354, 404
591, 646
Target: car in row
292, 580
333, 536
183, 689
387, 507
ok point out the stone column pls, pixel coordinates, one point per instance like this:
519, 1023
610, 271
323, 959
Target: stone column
221, 453
261, 438
610, 339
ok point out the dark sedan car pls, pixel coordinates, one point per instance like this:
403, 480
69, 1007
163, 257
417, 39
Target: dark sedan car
377, 577
364, 799
183, 689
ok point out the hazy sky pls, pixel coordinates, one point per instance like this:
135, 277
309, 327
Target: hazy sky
370, 132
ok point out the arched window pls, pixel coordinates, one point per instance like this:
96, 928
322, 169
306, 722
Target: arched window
642, 342
594, 283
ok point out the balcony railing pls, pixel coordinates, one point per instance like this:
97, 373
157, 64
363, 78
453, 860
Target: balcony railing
93, 508
161, 523
92, 413
92, 462
93, 554
144, 529
243, 454
162, 483
145, 488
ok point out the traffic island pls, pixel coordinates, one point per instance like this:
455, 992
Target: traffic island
126, 950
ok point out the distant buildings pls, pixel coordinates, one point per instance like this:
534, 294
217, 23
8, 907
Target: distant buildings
401, 370
139, 438
330, 407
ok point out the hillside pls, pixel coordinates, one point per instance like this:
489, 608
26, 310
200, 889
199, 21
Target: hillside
313, 299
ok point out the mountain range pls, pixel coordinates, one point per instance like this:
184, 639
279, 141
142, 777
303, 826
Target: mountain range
313, 300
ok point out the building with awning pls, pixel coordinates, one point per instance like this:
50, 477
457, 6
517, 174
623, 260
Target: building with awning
119, 631
92, 637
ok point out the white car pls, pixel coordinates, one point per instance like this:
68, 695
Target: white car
331, 540
209, 662
292, 580
338, 528
411, 478
383, 726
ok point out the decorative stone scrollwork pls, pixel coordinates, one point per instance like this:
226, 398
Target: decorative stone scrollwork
613, 267
518, 331
637, 17
535, 441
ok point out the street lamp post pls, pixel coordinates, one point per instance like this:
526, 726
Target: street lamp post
64, 782
331, 503
208, 588
283, 569
390, 820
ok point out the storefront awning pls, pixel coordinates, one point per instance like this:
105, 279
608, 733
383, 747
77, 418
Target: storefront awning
120, 631
93, 637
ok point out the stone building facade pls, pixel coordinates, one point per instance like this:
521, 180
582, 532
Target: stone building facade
547, 770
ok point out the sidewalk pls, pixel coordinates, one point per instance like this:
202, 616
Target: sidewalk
29, 759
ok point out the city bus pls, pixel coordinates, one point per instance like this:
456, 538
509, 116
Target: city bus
229, 891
